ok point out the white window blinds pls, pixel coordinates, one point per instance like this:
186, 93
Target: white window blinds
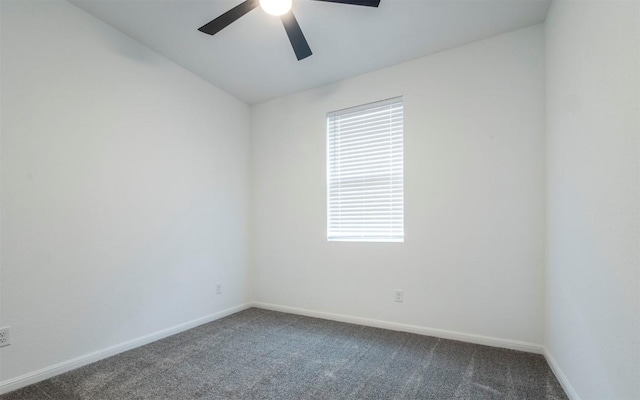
365, 173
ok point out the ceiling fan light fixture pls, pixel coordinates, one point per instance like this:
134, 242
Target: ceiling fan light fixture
276, 7
279, 8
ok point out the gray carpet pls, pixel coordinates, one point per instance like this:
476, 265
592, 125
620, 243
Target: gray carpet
259, 354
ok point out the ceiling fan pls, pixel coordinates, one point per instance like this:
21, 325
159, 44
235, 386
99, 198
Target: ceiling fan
281, 8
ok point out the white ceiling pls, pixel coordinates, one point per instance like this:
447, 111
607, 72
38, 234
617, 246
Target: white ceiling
253, 60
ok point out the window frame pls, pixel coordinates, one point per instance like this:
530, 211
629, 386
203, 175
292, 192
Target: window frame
366, 236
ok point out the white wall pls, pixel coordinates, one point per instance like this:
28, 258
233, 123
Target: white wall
593, 128
472, 260
124, 189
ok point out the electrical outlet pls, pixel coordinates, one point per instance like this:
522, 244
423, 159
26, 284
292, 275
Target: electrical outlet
399, 296
218, 288
4, 337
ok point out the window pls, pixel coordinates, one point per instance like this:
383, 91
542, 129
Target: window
365, 173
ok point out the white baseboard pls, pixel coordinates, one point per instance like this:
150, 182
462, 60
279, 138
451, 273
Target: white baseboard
421, 330
562, 378
57, 369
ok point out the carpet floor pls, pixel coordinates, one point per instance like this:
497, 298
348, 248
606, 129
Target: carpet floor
259, 354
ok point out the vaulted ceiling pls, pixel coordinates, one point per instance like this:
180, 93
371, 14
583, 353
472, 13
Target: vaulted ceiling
252, 58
